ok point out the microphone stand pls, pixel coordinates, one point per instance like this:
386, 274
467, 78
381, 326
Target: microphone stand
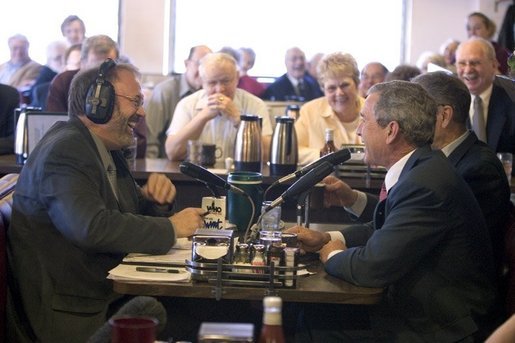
303, 206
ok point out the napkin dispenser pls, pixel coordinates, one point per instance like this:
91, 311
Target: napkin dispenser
209, 245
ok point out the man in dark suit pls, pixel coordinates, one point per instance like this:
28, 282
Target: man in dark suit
77, 212
476, 65
296, 84
473, 159
428, 244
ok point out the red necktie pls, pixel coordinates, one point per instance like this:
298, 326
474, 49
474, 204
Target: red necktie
384, 193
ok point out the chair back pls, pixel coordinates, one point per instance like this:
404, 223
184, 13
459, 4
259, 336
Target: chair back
7, 185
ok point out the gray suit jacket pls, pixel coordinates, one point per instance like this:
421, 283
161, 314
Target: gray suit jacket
68, 230
430, 249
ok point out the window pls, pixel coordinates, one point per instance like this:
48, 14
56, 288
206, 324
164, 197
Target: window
27, 18
370, 30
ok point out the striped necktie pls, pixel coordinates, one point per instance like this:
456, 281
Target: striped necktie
478, 119
384, 193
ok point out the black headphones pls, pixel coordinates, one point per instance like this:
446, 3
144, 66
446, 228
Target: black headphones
100, 96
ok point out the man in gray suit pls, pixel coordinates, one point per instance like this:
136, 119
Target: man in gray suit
78, 211
428, 245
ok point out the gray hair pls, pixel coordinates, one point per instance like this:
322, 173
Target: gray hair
485, 45
216, 58
337, 65
410, 106
447, 89
100, 45
19, 37
250, 52
85, 79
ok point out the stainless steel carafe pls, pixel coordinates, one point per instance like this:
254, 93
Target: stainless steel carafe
21, 139
247, 148
283, 150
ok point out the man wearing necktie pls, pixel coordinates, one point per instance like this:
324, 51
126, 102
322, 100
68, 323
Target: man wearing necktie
296, 84
492, 110
423, 254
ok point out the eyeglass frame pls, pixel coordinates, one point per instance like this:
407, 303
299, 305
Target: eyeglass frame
137, 101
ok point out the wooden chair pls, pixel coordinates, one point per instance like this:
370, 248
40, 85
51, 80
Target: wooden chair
7, 184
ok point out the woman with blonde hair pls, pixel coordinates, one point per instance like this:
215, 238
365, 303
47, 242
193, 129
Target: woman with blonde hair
338, 109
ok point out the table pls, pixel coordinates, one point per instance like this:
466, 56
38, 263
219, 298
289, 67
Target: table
146, 166
317, 288
190, 191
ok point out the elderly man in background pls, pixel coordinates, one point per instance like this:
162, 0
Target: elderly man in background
372, 73
296, 84
166, 95
212, 114
492, 110
20, 71
428, 245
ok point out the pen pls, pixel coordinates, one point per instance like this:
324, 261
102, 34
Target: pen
158, 270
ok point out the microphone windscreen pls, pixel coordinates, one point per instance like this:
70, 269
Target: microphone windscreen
202, 174
140, 306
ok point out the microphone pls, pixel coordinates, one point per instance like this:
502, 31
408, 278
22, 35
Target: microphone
334, 158
313, 176
140, 306
204, 175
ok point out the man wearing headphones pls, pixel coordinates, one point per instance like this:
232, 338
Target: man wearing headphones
77, 212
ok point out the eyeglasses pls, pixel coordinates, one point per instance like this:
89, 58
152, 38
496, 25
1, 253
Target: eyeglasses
472, 64
137, 101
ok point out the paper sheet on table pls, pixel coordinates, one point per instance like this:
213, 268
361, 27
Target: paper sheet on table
179, 253
129, 272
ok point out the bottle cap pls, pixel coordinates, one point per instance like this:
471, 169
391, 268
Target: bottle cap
272, 302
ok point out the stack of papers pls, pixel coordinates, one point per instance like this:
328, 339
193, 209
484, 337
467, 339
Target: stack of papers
169, 267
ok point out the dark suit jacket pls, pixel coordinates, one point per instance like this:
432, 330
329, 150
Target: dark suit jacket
430, 248
68, 230
9, 101
500, 125
282, 90
484, 173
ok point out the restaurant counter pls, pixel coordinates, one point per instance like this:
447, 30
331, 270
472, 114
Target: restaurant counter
191, 191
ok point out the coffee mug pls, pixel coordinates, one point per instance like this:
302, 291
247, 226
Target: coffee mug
209, 153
